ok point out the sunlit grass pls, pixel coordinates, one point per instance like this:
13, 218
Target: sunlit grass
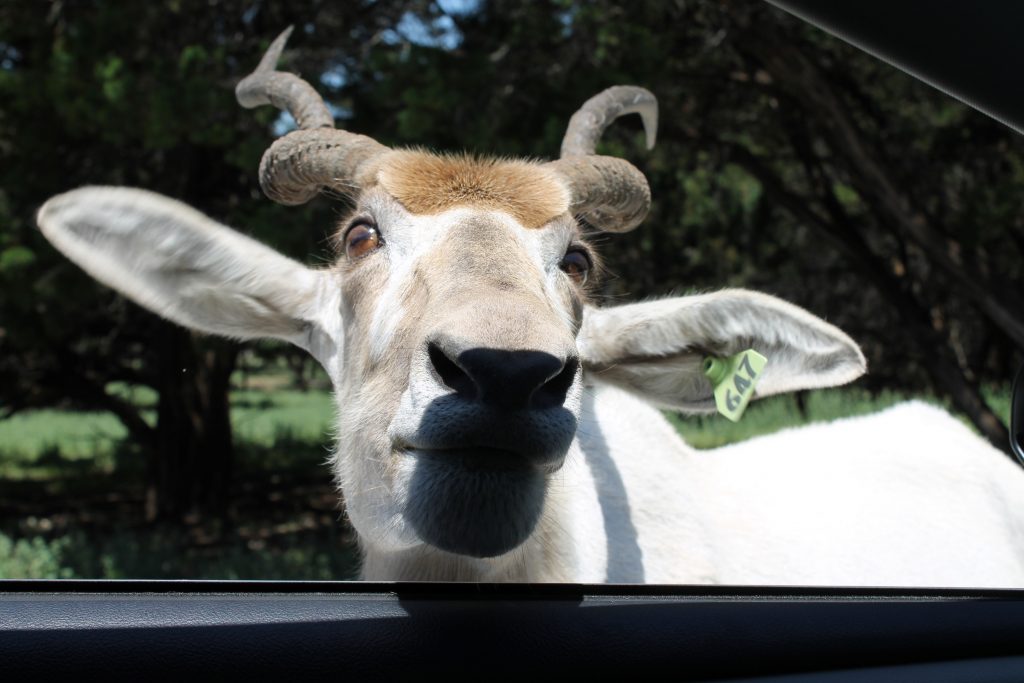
49, 443
260, 416
775, 413
42, 443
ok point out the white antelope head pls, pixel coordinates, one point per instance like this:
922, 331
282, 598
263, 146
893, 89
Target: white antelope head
455, 324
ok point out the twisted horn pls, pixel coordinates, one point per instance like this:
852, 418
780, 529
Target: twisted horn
302, 162
610, 193
589, 122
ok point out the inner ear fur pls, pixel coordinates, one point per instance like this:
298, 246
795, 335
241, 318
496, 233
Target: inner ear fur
657, 348
184, 266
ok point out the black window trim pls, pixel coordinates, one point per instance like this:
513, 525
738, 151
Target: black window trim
130, 628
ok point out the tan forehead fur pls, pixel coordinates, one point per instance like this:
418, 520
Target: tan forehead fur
429, 183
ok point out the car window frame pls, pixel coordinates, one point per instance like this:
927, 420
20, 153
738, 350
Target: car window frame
121, 627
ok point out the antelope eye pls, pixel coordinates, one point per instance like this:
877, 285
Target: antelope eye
576, 265
361, 239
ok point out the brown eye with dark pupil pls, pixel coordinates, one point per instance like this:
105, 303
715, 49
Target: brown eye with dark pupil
361, 239
576, 265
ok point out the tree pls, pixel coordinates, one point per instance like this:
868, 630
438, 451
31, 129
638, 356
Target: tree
89, 103
787, 161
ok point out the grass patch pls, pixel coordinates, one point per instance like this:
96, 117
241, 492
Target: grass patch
776, 413
281, 429
48, 443
273, 430
262, 416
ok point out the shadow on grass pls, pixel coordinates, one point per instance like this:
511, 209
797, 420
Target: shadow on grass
280, 525
72, 518
167, 552
250, 403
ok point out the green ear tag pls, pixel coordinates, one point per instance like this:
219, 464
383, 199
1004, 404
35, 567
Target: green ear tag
734, 379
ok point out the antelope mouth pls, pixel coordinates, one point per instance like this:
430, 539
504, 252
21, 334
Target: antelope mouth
480, 502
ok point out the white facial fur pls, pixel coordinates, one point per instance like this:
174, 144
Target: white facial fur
473, 273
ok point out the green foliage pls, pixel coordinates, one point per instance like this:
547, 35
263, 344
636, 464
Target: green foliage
14, 258
500, 77
34, 558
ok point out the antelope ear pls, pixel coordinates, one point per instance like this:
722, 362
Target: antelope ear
657, 348
188, 268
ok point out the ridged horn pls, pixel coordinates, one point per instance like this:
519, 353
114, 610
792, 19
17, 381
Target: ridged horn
610, 193
316, 156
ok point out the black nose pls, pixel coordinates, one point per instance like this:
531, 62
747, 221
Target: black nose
510, 380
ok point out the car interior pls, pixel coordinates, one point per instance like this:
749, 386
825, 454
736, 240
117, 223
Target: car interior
159, 628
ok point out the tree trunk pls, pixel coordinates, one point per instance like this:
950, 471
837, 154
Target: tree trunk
191, 465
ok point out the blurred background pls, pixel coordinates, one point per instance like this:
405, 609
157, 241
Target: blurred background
787, 162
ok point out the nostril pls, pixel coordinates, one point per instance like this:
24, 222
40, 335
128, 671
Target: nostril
501, 379
450, 374
553, 392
